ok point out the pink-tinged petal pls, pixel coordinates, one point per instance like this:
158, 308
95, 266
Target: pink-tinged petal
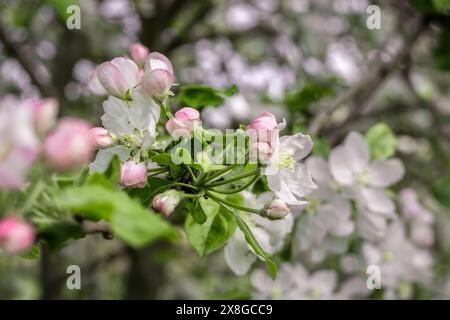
133, 175
187, 114
385, 173
70, 145
102, 137
157, 61
139, 53
45, 112
112, 79
339, 166
358, 151
16, 235
128, 69
94, 85
156, 83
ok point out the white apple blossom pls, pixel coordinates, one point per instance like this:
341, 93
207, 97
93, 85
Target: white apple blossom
132, 122
289, 179
365, 180
400, 261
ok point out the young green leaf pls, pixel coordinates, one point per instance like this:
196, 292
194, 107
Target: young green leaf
214, 233
382, 142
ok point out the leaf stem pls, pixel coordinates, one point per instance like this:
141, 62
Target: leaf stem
245, 186
215, 184
231, 204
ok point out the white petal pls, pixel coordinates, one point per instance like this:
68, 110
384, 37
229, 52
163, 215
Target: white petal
104, 157
377, 201
358, 151
237, 255
116, 118
385, 173
300, 144
339, 166
319, 169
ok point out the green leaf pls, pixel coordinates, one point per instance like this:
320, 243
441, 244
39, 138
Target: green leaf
100, 180
196, 211
441, 6
113, 171
382, 142
56, 235
441, 191
61, 7
300, 101
163, 159
250, 238
32, 254
214, 233
130, 221
138, 226
321, 147
200, 96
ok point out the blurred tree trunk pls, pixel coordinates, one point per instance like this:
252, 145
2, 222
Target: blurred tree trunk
145, 275
50, 286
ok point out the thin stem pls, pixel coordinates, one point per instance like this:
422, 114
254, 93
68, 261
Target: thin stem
194, 178
185, 185
215, 184
231, 204
219, 173
245, 186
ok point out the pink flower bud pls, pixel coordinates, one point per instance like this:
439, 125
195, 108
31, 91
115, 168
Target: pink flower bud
118, 76
70, 145
184, 123
266, 121
45, 112
157, 61
102, 138
264, 128
133, 175
166, 202
139, 53
16, 236
156, 84
277, 209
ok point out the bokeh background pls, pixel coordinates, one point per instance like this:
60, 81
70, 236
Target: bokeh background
295, 58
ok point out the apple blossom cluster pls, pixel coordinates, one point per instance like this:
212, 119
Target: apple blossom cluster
148, 165
352, 217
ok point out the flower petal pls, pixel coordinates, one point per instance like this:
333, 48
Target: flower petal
386, 173
358, 151
339, 166
299, 144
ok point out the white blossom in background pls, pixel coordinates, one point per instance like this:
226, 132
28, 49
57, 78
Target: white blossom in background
19, 144
401, 263
327, 221
366, 180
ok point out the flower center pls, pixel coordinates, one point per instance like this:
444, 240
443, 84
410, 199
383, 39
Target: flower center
286, 161
388, 256
363, 178
313, 206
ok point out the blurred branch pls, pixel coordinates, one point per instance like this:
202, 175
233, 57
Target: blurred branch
15, 52
361, 94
